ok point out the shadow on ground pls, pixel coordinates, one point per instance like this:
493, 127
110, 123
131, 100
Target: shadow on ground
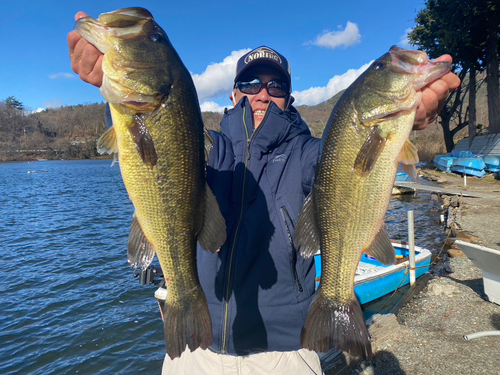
476, 285
385, 362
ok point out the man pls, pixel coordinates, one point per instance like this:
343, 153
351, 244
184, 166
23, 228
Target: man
261, 168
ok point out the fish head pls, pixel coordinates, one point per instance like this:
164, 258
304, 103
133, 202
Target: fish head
139, 61
390, 86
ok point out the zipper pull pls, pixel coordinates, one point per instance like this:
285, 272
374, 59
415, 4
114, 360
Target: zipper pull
249, 141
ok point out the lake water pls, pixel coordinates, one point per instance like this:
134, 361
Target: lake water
69, 301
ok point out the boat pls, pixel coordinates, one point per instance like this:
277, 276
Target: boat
402, 176
473, 166
374, 280
399, 190
41, 171
444, 162
467, 163
492, 164
488, 260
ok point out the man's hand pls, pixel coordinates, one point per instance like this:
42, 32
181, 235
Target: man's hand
434, 96
86, 60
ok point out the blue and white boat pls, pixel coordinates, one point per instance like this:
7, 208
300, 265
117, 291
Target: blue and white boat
444, 162
473, 165
492, 164
374, 280
402, 176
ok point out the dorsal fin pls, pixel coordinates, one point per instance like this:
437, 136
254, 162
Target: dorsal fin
213, 233
306, 231
381, 248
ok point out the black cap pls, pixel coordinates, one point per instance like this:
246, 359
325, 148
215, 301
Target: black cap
264, 56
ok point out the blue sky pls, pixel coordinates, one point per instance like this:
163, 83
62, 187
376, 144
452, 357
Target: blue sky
328, 43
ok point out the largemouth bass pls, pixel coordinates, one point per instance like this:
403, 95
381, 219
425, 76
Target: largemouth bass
366, 136
158, 135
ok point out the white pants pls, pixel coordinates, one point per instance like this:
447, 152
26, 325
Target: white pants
206, 362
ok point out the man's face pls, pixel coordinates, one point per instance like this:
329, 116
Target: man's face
260, 101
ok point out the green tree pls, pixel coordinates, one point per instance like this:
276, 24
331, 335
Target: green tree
467, 30
12, 102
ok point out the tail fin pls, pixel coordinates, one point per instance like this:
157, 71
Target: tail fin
187, 323
331, 324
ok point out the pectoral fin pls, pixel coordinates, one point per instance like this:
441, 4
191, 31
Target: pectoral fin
213, 233
108, 143
140, 251
143, 141
369, 153
408, 157
307, 236
382, 249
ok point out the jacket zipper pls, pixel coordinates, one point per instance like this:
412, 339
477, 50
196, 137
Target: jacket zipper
225, 335
285, 214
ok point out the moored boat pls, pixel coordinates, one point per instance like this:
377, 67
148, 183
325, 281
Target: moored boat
374, 280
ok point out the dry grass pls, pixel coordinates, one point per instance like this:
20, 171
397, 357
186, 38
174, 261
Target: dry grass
430, 142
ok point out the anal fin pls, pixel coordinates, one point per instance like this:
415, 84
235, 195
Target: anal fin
140, 251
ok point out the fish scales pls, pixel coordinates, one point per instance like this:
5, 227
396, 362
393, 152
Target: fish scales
366, 136
159, 137
167, 198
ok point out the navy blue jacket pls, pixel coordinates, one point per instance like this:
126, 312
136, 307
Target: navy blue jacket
258, 287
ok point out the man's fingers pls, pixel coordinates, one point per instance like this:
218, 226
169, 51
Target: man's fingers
434, 96
80, 15
91, 66
452, 81
446, 58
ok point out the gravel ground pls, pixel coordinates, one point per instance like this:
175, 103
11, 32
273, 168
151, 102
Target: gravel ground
432, 325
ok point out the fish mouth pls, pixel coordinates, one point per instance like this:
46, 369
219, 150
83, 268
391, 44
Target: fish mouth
422, 71
417, 63
125, 23
120, 85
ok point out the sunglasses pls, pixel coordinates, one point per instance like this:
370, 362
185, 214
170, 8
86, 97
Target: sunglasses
275, 88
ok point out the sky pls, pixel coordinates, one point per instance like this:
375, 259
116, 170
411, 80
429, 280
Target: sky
328, 44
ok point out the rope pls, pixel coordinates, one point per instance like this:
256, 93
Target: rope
408, 269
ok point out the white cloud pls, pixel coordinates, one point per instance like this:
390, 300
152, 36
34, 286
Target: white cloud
333, 39
211, 107
218, 78
316, 95
63, 76
404, 42
54, 103
38, 110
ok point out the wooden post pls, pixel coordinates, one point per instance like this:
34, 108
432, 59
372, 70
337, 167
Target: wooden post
411, 241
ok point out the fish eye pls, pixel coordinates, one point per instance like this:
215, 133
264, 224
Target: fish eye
378, 65
156, 37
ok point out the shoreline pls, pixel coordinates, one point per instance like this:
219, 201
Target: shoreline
429, 339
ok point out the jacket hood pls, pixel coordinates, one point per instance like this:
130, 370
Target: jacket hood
278, 126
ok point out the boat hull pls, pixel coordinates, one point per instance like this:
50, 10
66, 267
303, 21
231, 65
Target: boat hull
374, 280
